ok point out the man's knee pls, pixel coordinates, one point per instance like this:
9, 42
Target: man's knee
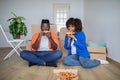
23, 54
59, 53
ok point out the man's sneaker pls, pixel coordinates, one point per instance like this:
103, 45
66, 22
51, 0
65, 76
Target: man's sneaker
31, 64
51, 64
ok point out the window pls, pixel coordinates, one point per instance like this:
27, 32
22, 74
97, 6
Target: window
61, 14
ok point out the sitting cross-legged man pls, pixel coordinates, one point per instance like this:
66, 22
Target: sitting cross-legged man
44, 47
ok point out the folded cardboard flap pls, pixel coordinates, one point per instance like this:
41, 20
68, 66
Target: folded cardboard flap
97, 44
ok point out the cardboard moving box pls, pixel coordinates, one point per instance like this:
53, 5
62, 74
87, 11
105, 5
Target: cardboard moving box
97, 52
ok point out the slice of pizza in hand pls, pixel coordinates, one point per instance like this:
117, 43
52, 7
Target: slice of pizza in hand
45, 31
70, 32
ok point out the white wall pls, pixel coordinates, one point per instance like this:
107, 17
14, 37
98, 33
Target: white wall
33, 11
102, 22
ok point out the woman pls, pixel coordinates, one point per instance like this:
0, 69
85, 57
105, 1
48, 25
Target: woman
75, 43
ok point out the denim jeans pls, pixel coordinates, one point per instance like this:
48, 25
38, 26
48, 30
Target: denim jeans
40, 57
75, 60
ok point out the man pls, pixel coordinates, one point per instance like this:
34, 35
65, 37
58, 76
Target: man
44, 47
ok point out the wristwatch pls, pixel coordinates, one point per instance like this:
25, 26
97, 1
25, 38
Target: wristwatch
75, 39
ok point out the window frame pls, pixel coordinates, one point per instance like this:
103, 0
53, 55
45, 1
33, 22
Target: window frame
64, 7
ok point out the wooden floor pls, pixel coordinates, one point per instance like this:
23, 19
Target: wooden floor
17, 69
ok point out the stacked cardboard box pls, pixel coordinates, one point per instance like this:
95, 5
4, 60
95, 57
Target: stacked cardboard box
97, 52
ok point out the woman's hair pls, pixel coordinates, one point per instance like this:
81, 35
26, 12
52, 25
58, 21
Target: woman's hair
75, 22
45, 21
69, 22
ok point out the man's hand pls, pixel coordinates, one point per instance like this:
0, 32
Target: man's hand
48, 34
52, 42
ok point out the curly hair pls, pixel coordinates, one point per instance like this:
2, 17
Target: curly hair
75, 22
78, 24
69, 22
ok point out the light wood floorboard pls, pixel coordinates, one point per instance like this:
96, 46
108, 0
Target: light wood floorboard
17, 69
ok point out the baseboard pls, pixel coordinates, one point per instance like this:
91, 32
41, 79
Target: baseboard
113, 61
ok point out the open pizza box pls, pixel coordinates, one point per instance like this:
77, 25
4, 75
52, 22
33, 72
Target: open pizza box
66, 74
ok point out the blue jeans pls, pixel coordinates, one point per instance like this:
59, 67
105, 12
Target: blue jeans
75, 60
40, 57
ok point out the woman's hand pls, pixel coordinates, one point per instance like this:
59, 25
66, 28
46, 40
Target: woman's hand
71, 36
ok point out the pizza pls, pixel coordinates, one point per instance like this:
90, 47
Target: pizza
67, 75
46, 31
70, 32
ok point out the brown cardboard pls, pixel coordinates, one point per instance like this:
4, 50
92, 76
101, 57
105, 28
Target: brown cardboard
98, 56
62, 33
97, 52
28, 44
97, 49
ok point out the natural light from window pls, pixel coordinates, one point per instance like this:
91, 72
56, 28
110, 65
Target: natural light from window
61, 14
